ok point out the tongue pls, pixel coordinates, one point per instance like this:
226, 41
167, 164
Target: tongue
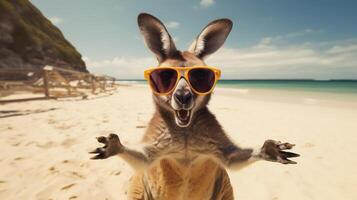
183, 114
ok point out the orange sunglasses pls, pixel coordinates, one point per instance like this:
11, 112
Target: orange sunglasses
163, 80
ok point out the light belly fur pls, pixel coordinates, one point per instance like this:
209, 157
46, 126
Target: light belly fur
173, 179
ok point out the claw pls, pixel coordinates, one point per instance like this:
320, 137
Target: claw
98, 150
99, 156
285, 161
286, 154
93, 152
288, 161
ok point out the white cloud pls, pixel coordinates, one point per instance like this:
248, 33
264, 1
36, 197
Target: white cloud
343, 49
121, 67
176, 39
285, 37
172, 24
207, 3
267, 59
56, 20
270, 60
300, 33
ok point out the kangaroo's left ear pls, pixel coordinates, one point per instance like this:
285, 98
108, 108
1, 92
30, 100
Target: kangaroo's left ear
211, 38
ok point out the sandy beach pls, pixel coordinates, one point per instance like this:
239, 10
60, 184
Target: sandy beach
44, 144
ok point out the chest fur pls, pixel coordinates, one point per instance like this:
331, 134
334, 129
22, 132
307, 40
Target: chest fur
173, 178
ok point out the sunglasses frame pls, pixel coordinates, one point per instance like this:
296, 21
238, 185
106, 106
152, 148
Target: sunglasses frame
216, 71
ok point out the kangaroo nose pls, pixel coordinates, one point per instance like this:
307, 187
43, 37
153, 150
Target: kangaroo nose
183, 97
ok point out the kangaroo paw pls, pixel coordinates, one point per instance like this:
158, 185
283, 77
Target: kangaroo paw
112, 146
274, 151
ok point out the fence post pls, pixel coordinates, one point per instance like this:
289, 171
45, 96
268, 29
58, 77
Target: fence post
46, 85
93, 84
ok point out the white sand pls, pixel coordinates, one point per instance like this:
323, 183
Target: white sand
43, 152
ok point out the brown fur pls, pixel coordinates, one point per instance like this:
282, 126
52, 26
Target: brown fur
185, 164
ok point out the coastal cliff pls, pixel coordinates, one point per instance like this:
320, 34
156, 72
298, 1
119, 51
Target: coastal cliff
29, 39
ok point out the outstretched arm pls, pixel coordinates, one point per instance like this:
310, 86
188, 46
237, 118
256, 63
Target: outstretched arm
237, 158
138, 159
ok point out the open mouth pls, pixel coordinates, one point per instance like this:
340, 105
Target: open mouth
183, 117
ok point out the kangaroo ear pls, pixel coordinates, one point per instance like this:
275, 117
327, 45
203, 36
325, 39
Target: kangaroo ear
211, 38
156, 37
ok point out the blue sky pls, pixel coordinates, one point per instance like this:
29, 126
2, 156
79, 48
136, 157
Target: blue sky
270, 39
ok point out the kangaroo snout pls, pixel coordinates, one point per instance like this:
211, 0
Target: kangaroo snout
183, 97
182, 102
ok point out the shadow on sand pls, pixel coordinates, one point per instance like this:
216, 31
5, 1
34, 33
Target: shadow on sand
14, 113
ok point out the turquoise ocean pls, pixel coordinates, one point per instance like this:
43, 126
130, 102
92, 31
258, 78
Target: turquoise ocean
320, 86
328, 86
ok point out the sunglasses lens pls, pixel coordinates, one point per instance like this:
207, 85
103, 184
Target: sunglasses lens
202, 80
163, 80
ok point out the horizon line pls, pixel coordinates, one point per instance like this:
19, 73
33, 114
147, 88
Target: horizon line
279, 79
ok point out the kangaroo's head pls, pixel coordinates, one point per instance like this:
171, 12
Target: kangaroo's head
182, 103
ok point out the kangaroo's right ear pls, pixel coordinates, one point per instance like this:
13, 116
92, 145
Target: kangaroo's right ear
211, 38
156, 36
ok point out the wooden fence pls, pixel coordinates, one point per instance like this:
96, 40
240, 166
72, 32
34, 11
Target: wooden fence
51, 83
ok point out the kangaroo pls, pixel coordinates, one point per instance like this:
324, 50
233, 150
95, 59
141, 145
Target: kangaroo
186, 151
